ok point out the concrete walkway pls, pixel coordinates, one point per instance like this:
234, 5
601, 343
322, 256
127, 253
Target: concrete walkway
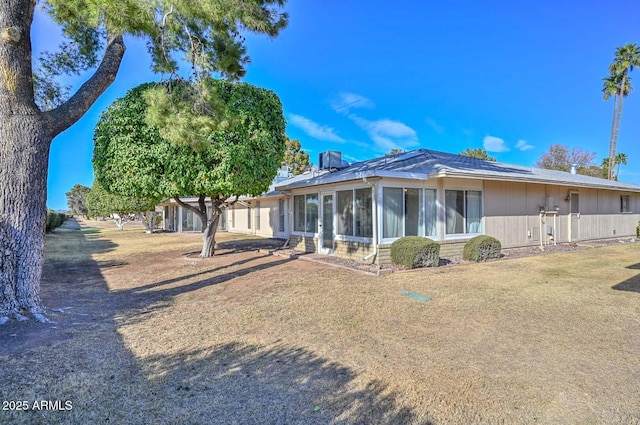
71, 223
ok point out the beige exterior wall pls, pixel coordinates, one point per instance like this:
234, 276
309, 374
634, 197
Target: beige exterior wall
261, 214
512, 213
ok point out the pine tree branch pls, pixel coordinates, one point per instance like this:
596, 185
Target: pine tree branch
73, 109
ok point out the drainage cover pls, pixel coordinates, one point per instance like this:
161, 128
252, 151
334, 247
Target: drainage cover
414, 295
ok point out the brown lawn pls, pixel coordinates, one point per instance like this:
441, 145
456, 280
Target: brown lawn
145, 335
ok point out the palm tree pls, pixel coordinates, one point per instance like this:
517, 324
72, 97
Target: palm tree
621, 158
626, 58
611, 87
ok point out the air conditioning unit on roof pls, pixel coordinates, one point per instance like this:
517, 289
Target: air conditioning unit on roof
331, 160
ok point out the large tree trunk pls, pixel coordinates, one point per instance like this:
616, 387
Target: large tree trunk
24, 158
209, 224
25, 137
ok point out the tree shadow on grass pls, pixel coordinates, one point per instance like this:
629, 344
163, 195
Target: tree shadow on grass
274, 384
631, 284
83, 358
242, 272
243, 245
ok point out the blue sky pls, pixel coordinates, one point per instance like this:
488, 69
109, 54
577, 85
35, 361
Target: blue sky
362, 77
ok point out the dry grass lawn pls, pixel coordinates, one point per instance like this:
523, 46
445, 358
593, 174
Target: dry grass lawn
144, 335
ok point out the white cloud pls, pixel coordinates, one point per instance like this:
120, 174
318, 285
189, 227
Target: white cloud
388, 134
435, 126
315, 130
345, 101
523, 145
494, 144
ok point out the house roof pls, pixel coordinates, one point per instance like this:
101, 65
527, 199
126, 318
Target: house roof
425, 164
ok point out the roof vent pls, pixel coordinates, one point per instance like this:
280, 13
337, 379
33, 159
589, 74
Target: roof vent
574, 168
331, 160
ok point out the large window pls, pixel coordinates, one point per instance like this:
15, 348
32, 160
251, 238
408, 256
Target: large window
305, 213
464, 211
625, 205
354, 210
281, 215
408, 212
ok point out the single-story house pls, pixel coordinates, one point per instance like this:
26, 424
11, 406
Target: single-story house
358, 210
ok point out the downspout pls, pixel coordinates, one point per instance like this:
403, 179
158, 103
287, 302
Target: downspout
374, 205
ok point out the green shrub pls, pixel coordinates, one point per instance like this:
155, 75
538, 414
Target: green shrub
414, 251
54, 220
482, 248
638, 230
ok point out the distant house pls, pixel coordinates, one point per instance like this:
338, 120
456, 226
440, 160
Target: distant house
358, 210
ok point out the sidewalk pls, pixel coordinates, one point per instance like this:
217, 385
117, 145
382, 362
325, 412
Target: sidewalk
71, 223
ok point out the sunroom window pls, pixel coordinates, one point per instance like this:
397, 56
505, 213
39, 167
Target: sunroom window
408, 212
354, 212
305, 213
464, 211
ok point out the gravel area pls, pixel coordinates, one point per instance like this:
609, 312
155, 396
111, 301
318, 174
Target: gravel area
507, 253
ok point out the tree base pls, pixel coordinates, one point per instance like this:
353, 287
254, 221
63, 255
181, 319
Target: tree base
38, 314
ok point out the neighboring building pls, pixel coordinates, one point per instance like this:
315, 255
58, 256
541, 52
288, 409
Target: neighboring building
359, 210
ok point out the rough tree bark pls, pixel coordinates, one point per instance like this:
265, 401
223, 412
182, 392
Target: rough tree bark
26, 134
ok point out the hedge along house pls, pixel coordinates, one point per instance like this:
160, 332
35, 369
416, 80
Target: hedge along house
359, 210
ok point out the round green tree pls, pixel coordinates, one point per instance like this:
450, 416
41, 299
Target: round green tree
239, 155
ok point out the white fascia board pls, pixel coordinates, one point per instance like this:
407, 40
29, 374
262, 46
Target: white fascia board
529, 179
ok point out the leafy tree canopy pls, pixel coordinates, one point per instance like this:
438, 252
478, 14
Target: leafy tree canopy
478, 153
131, 157
561, 158
295, 158
77, 199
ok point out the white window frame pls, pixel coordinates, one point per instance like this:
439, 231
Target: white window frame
422, 214
350, 238
305, 233
453, 236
